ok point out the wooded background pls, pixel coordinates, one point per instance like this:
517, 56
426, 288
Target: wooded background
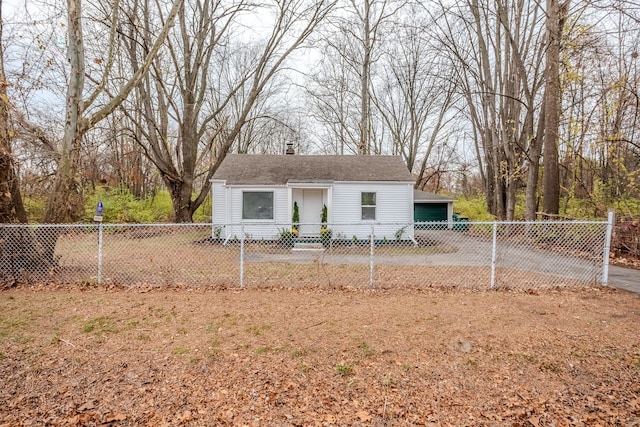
531, 105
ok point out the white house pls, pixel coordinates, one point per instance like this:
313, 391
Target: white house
259, 192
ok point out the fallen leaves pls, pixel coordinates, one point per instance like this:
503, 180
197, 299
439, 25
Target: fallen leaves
363, 416
415, 358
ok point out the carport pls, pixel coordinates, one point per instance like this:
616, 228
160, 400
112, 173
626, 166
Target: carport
430, 207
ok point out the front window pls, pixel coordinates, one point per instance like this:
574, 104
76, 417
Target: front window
368, 202
257, 205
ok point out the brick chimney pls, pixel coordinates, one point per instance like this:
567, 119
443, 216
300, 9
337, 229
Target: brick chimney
289, 148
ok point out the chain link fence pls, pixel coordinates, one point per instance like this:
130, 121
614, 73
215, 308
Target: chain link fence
462, 254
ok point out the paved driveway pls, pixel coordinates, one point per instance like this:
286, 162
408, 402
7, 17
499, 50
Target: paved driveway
475, 251
624, 278
463, 249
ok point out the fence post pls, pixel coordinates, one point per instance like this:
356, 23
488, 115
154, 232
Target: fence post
493, 254
607, 247
99, 253
241, 255
371, 251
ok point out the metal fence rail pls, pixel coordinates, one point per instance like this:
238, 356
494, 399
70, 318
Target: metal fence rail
463, 254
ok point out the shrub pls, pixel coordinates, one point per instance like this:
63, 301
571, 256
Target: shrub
121, 206
325, 232
325, 235
287, 238
474, 208
34, 206
295, 220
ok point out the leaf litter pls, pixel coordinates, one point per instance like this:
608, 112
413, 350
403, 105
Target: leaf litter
88, 356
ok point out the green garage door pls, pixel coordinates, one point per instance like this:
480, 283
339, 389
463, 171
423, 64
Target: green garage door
423, 212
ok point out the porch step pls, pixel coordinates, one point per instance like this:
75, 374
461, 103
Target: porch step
308, 246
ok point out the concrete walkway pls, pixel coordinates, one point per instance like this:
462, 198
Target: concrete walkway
627, 279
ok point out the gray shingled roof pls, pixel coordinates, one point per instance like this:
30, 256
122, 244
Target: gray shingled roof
424, 197
256, 169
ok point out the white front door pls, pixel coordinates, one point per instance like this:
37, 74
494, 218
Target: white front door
310, 212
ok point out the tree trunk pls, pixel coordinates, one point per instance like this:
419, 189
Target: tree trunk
531, 191
65, 200
11, 207
17, 249
180, 199
365, 101
552, 97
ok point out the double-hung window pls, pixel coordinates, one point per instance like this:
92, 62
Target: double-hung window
368, 203
257, 205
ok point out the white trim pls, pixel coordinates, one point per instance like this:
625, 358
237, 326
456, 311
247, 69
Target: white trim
257, 187
410, 205
273, 205
376, 182
258, 221
375, 206
330, 204
312, 185
229, 208
290, 205
431, 202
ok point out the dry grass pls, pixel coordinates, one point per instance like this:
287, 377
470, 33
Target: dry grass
90, 356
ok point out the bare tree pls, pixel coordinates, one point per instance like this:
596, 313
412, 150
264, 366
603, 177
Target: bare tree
65, 201
413, 96
496, 53
11, 207
199, 89
335, 106
353, 42
275, 117
556, 15
597, 137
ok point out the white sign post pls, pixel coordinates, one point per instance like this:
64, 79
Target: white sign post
99, 211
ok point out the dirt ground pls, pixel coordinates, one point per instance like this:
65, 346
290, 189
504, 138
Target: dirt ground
73, 356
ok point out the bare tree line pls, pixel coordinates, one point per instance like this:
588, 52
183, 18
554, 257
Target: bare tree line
527, 99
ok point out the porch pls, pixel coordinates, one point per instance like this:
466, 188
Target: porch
310, 199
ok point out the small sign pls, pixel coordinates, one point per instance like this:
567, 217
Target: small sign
97, 218
99, 208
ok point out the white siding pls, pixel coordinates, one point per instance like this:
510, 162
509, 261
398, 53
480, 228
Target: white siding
281, 205
393, 207
218, 209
